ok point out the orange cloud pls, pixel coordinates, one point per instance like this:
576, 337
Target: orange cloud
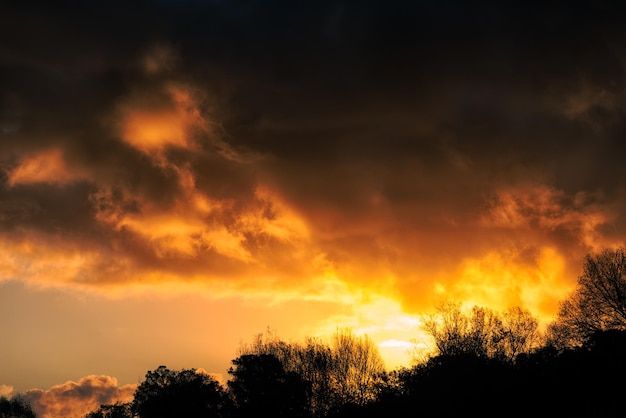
177, 246
149, 131
75, 399
38, 258
550, 209
194, 222
44, 167
170, 120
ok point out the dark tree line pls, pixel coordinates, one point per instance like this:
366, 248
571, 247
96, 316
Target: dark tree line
485, 362
270, 377
15, 407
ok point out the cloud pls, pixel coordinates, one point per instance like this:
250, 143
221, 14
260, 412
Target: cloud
368, 151
161, 120
582, 216
6, 391
75, 399
48, 166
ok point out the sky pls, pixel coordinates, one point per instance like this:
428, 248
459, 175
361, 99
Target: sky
179, 176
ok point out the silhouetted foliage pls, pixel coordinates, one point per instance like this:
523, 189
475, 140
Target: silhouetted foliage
186, 393
346, 372
116, 410
16, 407
597, 304
260, 386
482, 332
581, 381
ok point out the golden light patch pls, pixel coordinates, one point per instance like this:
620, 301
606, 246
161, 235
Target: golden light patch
502, 279
397, 334
45, 167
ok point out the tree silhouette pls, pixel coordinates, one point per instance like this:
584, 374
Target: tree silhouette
311, 360
260, 386
16, 407
187, 393
597, 304
348, 371
517, 333
116, 410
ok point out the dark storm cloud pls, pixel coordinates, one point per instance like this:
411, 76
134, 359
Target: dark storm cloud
146, 129
478, 70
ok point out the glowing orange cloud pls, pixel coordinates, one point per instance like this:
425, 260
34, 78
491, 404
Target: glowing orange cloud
149, 131
153, 128
75, 399
45, 167
37, 258
195, 222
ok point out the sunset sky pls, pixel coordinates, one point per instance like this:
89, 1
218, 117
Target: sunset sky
179, 176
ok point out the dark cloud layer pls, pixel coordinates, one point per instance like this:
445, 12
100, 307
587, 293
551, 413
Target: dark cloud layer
230, 137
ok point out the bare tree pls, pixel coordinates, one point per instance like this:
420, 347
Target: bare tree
348, 371
357, 368
482, 332
599, 301
518, 333
456, 332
